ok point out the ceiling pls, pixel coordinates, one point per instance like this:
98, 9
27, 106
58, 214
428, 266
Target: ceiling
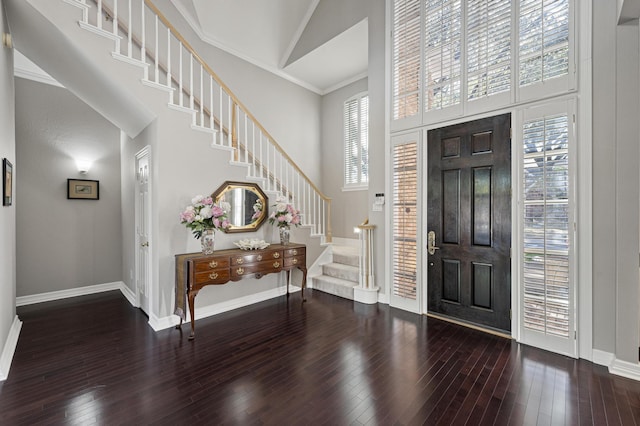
270, 30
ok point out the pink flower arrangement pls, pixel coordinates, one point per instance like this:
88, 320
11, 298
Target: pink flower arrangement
284, 214
203, 214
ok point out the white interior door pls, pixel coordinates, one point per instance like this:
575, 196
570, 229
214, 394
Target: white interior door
143, 228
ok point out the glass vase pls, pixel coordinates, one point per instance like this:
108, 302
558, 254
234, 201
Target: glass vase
207, 240
284, 235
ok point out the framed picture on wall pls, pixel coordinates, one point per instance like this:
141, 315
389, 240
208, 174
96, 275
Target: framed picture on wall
82, 189
7, 191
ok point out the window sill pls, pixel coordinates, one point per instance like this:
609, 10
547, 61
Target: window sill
355, 188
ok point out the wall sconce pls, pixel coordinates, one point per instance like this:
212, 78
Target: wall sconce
83, 166
7, 40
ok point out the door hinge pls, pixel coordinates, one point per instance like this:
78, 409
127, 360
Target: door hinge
575, 334
510, 312
509, 252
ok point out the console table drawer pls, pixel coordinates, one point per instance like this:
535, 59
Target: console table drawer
246, 259
264, 267
298, 251
295, 261
212, 277
209, 264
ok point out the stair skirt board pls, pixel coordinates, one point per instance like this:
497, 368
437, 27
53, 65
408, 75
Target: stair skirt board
335, 286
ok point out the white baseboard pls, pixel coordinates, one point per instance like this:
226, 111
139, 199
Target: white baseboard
616, 366
217, 308
603, 358
626, 369
9, 348
129, 295
72, 292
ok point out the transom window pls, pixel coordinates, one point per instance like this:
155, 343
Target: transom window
449, 55
356, 141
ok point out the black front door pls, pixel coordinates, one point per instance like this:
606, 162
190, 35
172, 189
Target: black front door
469, 213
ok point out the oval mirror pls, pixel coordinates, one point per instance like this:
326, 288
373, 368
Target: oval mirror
247, 205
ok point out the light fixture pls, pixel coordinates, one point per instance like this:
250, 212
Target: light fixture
7, 40
83, 166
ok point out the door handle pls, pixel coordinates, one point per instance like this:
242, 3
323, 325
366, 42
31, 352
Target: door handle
431, 243
145, 244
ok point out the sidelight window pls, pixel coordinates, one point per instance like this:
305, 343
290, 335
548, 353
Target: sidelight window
547, 229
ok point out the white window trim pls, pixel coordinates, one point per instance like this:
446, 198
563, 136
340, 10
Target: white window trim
352, 188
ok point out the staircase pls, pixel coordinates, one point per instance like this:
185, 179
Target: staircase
341, 274
140, 36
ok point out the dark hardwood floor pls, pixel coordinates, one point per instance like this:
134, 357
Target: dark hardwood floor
94, 360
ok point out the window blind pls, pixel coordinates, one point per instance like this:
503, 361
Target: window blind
506, 46
356, 140
546, 226
405, 219
544, 40
443, 24
488, 47
406, 58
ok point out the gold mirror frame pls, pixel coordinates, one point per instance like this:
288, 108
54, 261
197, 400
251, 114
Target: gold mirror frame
242, 210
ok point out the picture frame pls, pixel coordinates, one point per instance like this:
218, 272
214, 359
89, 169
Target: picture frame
83, 189
7, 182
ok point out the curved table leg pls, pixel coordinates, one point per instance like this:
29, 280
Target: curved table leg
288, 276
304, 282
192, 298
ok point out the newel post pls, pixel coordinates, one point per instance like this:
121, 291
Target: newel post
367, 291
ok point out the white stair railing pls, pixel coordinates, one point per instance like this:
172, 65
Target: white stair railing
144, 37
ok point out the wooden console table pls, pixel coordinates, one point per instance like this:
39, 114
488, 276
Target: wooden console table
195, 271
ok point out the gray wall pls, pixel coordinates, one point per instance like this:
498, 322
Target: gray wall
604, 171
615, 178
378, 130
348, 208
73, 243
7, 214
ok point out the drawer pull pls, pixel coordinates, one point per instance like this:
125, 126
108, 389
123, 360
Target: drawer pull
295, 261
294, 251
213, 264
213, 275
239, 261
240, 271
276, 255
276, 264
259, 257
